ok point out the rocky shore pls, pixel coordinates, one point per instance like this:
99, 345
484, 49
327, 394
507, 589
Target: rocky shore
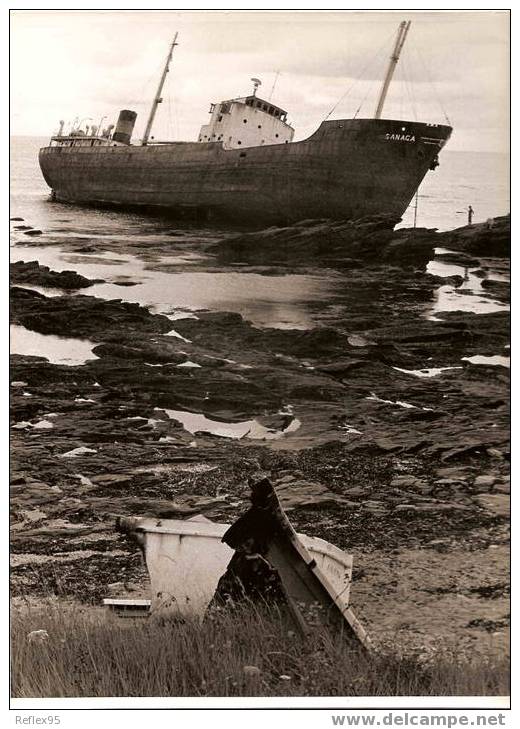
32, 273
385, 430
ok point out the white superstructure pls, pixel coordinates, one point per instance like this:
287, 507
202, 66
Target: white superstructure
246, 122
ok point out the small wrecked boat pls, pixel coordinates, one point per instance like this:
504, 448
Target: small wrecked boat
196, 564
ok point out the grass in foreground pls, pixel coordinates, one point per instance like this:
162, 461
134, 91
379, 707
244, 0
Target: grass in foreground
246, 653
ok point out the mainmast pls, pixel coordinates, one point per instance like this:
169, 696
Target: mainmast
399, 43
157, 100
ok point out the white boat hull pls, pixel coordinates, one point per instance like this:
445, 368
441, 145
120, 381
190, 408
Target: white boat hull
186, 559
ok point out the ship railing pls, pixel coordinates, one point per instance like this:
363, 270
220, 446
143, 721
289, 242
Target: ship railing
77, 140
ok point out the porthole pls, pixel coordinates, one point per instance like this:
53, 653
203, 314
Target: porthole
245, 121
276, 135
239, 142
259, 126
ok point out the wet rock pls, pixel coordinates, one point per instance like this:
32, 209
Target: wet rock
493, 591
457, 479
80, 451
409, 248
32, 272
490, 626
286, 479
419, 332
35, 493
295, 494
500, 290
43, 425
112, 479
493, 452
453, 472
352, 242
33, 515
82, 316
483, 483
375, 507
499, 504
407, 481
22, 425
145, 352
358, 241
405, 507
357, 491
476, 446
432, 507
342, 367
483, 239
387, 445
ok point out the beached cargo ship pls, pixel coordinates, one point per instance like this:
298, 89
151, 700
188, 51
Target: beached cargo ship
245, 165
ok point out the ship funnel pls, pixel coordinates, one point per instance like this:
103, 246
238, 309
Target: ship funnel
124, 126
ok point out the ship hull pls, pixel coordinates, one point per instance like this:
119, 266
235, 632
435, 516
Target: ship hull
347, 169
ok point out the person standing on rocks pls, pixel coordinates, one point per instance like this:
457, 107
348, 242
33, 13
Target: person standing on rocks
470, 215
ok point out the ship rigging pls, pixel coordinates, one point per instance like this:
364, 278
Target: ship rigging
245, 163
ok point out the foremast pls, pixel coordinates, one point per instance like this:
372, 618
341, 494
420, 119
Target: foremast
158, 98
404, 27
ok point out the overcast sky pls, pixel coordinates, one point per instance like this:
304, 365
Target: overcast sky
87, 64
